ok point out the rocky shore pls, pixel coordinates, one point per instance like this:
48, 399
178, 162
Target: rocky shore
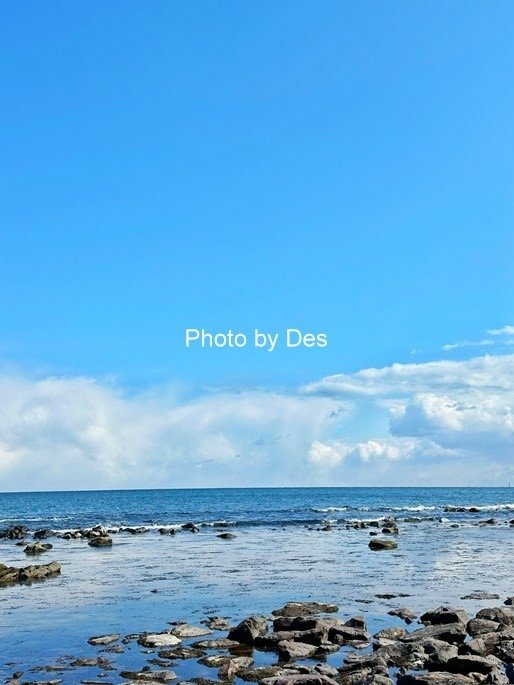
444, 647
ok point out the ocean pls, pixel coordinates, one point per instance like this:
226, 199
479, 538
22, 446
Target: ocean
290, 544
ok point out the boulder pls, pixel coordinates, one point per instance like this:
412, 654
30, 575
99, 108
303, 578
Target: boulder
185, 630
443, 615
36, 548
378, 544
501, 615
288, 650
159, 640
455, 633
100, 541
250, 628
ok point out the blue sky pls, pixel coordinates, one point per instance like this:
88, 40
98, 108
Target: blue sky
343, 167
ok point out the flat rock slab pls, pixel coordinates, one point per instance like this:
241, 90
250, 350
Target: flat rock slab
305, 609
300, 679
159, 640
149, 676
103, 639
185, 630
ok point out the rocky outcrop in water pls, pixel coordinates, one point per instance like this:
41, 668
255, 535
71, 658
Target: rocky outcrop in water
28, 574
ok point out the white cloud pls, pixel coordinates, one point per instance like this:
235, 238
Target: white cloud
434, 422
505, 330
467, 343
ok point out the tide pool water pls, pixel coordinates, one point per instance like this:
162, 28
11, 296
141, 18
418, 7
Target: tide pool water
280, 553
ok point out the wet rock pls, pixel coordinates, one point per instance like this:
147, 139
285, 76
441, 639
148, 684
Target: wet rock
481, 626
436, 678
185, 630
305, 609
389, 636
97, 661
288, 650
159, 640
438, 653
226, 536
217, 623
261, 672
167, 531
14, 532
181, 653
454, 633
501, 615
149, 676
344, 634
250, 628
103, 639
443, 615
192, 527
378, 544
100, 541
43, 534
509, 601
300, 679
466, 664
233, 666
405, 614
481, 595
37, 548
28, 574
134, 531
216, 643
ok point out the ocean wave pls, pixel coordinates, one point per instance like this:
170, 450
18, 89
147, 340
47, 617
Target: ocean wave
328, 510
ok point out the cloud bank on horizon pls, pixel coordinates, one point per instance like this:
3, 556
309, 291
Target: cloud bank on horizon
435, 423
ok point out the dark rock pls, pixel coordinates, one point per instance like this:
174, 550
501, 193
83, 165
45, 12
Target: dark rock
249, 629
27, 574
443, 615
100, 541
36, 548
481, 626
481, 595
305, 609
378, 544
227, 536
455, 633
466, 664
500, 615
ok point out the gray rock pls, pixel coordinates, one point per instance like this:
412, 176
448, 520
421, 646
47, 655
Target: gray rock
103, 639
288, 650
186, 630
405, 614
149, 676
